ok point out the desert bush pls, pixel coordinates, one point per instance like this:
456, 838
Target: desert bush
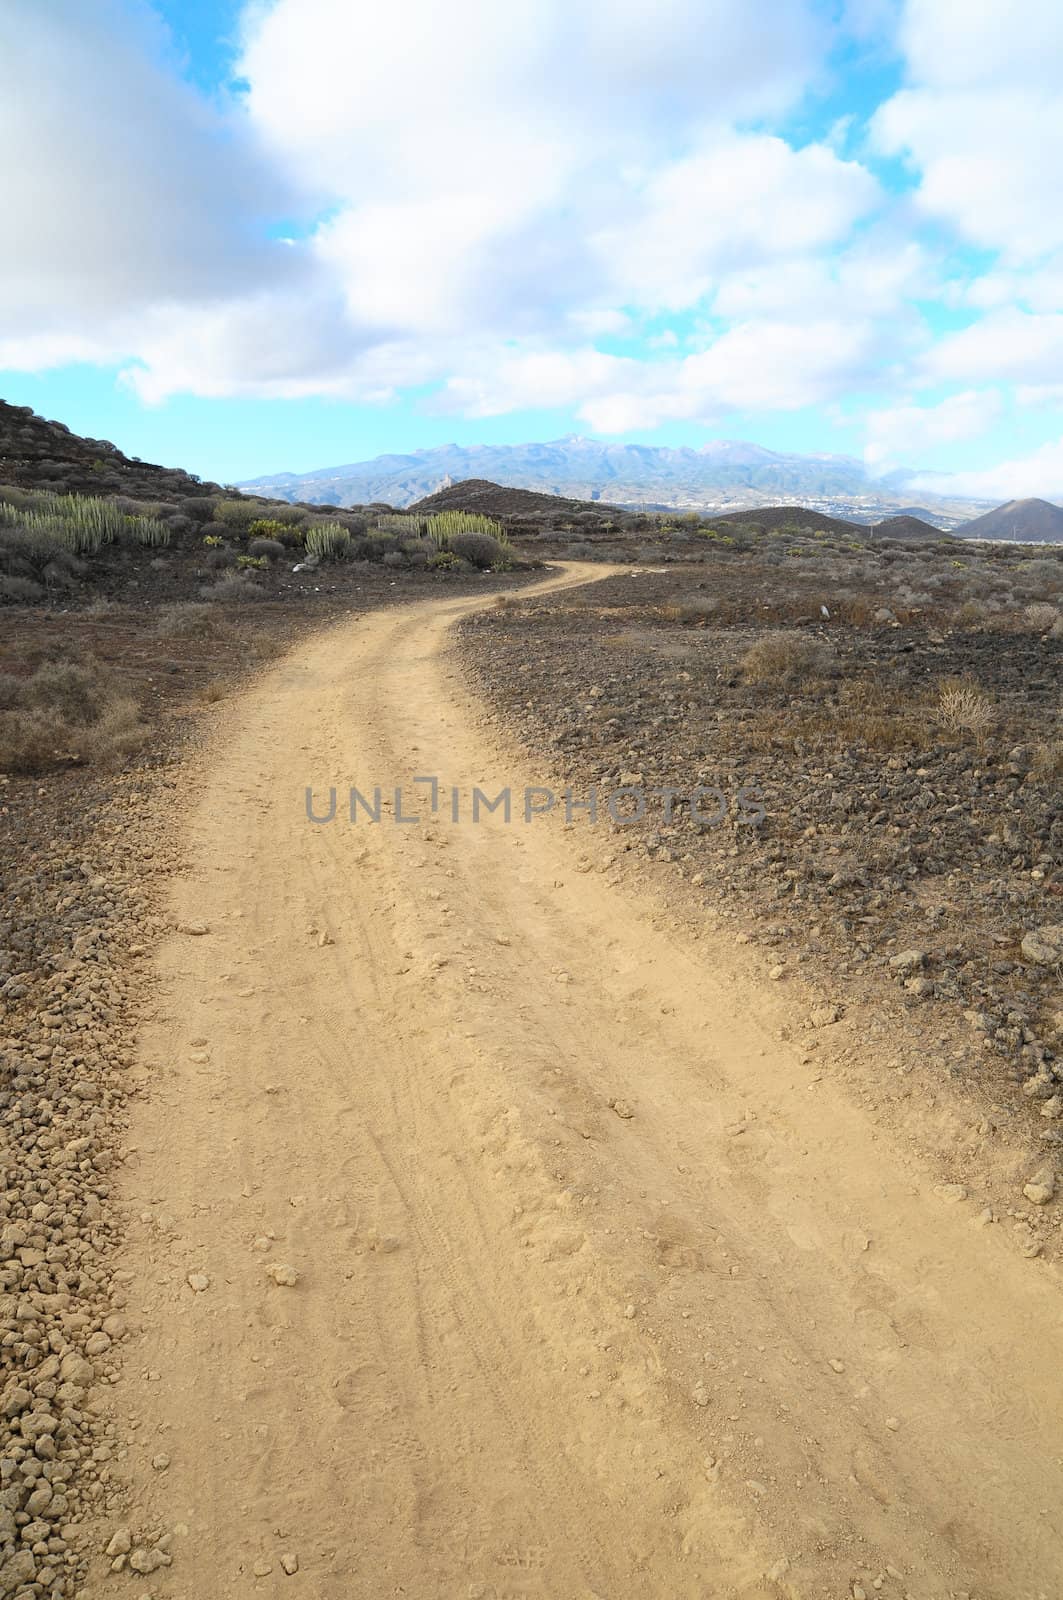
233, 586
219, 558
962, 707
189, 619
270, 549
19, 499
75, 693
417, 552
252, 563
373, 548
200, 507
1040, 617
972, 613
329, 541
444, 560
267, 528
394, 558
355, 523
19, 591
786, 657
65, 710
1048, 760
699, 608
237, 515
482, 550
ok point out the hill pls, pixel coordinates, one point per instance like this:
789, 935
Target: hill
1025, 521
768, 518
38, 454
722, 475
495, 500
907, 526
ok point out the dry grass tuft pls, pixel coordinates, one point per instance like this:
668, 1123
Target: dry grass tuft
65, 711
962, 707
786, 657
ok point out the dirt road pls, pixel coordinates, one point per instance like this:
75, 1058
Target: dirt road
601, 1291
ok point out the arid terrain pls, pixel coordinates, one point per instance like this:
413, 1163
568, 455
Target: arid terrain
553, 1207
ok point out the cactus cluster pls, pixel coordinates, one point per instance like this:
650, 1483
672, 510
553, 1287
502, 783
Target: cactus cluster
83, 523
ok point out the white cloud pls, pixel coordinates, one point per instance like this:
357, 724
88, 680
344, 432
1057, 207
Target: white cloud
1006, 345
980, 120
478, 193
497, 178
768, 366
737, 202
899, 433
1040, 474
120, 187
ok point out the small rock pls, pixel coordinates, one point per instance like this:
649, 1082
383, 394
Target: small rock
284, 1277
198, 1281
908, 961
263, 1568
1044, 946
194, 929
145, 1561
951, 1193
700, 1395
290, 1563
623, 1109
121, 1542
1041, 1187
160, 1462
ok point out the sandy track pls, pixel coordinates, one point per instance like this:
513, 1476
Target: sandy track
730, 1345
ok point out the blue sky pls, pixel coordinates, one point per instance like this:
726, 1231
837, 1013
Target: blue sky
289, 234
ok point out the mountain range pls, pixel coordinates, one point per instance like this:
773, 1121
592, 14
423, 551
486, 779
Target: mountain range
722, 475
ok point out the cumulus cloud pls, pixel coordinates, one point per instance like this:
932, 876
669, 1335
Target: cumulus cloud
479, 197
511, 180
756, 365
1007, 345
901, 433
979, 120
120, 188
739, 201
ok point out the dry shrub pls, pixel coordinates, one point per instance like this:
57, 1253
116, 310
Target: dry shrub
191, 619
233, 586
690, 612
272, 549
972, 614
1041, 616
19, 591
66, 711
962, 707
1048, 760
786, 657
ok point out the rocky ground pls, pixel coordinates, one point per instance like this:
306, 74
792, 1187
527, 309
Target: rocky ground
906, 868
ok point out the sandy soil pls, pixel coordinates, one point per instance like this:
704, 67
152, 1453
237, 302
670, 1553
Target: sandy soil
601, 1291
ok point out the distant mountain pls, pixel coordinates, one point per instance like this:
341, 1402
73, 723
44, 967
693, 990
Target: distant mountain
722, 475
1026, 521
